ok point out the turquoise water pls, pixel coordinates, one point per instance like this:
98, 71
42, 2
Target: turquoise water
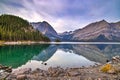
63, 55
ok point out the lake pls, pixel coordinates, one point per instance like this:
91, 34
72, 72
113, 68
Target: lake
52, 55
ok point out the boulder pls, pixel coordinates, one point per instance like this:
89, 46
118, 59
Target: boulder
21, 77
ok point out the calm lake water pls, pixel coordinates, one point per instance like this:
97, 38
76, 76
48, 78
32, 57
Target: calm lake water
64, 55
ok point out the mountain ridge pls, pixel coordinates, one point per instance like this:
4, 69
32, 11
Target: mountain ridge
46, 29
14, 28
100, 31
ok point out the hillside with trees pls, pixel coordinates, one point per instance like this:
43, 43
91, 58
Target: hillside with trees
14, 28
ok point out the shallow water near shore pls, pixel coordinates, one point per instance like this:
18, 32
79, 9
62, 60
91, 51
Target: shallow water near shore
52, 55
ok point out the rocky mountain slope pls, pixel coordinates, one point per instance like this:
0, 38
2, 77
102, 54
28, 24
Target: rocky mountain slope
98, 31
66, 36
46, 29
101, 31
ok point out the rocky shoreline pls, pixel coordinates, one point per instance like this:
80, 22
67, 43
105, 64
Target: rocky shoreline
108, 71
5, 71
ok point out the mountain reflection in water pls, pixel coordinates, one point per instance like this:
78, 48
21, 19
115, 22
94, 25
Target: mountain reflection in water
64, 55
17, 55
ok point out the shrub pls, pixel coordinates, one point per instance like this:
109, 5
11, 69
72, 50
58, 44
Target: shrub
106, 67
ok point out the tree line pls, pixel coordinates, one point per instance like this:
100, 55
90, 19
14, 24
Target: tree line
14, 28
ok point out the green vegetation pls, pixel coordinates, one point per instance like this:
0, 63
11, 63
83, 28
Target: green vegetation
13, 28
111, 68
106, 68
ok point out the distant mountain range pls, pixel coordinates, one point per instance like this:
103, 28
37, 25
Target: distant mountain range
100, 31
14, 28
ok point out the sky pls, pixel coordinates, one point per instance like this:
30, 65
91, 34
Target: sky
63, 15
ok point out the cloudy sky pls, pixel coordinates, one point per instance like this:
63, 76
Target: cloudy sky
63, 15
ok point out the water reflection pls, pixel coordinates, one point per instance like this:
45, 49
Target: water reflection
59, 58
94, 52
46, 53
17, 55
64, 55
68, 59
109, 50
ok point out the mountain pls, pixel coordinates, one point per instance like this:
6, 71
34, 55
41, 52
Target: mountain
14, 28
46, 54
101, 31
66, 36
91, 52
46, 29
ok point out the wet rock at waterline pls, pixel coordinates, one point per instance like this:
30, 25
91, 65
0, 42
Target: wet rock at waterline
4, 71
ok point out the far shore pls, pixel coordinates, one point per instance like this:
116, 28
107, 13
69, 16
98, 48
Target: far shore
42, 42
22, 42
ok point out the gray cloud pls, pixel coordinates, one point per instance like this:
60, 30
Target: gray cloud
62, 14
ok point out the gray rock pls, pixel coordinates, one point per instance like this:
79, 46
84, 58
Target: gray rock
21, 77
4, 75
22, 71
73, 73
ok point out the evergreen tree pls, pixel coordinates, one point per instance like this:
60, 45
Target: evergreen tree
14, 28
